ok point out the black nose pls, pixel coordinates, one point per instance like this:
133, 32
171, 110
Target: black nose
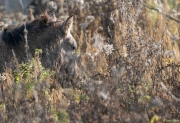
73, 47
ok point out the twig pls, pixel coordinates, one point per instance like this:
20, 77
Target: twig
159, 11
169, 92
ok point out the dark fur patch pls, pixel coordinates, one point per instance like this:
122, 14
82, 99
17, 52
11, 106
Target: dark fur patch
44, 19
14, 35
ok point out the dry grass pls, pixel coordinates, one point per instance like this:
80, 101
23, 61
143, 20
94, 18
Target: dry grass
128, 71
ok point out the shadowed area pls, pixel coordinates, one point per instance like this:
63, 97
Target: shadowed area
53, 37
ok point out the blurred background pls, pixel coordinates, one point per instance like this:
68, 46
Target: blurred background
14, 5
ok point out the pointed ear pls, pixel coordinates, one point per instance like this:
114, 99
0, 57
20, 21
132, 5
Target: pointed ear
67, 24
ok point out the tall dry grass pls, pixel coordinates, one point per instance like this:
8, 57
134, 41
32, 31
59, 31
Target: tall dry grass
128, 70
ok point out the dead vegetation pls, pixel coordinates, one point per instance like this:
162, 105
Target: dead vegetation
128, 69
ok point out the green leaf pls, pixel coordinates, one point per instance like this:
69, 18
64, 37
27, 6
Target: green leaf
148, 98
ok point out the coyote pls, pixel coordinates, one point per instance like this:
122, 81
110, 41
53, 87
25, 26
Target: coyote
51, 35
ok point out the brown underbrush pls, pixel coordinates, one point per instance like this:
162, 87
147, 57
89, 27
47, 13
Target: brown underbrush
128, 69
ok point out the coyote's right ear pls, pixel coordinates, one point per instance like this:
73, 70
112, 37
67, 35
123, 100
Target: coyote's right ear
67, 24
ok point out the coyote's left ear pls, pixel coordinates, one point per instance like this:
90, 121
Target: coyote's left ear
67, 24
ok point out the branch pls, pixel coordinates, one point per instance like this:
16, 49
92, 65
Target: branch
169, 92
160, 11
